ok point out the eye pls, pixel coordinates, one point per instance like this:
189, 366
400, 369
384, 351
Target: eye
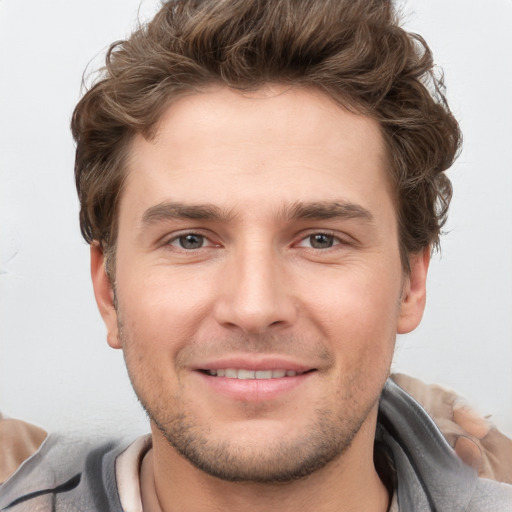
319, 241
190, 241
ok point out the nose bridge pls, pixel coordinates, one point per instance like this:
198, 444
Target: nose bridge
255, 295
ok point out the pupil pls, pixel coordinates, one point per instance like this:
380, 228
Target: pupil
191, 241
321, 241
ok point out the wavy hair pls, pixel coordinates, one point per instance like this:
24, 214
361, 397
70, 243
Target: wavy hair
355, 51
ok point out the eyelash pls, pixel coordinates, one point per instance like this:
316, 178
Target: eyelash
177, 238
336, 241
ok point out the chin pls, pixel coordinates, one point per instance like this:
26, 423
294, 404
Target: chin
264, 455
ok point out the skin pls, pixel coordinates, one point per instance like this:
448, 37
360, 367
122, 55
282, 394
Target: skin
279, 280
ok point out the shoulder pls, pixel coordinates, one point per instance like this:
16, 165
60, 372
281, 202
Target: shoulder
68, 472
429, 472
18, 441
491, 496
473, 437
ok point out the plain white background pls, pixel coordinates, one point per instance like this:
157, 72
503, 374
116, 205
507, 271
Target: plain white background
56, 369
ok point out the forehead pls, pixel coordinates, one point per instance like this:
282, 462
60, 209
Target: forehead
263, 149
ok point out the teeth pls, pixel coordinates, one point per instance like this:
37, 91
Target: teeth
245, 374
263, 374
242, 374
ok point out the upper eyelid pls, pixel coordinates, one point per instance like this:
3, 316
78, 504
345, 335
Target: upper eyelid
187, 231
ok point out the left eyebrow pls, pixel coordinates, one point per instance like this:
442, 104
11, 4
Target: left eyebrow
170, 210
326, 210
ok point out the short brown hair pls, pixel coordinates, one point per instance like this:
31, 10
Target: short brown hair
353, 50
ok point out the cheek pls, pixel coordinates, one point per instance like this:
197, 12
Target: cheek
159, 309
356, 299
362, 338
358, 314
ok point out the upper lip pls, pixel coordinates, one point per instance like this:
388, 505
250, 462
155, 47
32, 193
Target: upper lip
253, 362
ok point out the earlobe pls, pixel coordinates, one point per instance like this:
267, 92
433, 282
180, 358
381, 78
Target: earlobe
104, 294
414, 292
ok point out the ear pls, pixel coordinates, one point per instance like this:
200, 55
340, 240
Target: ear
104, 294
414, 292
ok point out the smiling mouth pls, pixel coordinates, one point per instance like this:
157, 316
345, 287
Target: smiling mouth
243, 374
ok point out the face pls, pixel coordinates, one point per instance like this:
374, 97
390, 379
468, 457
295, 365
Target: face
258, 281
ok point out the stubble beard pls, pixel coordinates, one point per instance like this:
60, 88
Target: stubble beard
327, 437
273, 462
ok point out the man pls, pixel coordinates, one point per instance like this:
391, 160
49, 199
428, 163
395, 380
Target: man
261, 184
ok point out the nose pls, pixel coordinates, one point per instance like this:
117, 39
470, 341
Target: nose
255, 292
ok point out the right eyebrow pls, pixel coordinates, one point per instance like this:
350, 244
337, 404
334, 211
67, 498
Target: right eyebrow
170, 210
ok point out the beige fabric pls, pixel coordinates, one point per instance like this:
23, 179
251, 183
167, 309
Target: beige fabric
18, 441
393, 507
476, 441
128, 466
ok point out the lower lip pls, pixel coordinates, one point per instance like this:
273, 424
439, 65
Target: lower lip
254, 390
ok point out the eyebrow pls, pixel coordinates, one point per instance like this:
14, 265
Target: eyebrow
325, 210
319, 210
174, 210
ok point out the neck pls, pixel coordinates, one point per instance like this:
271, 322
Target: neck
169, 483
